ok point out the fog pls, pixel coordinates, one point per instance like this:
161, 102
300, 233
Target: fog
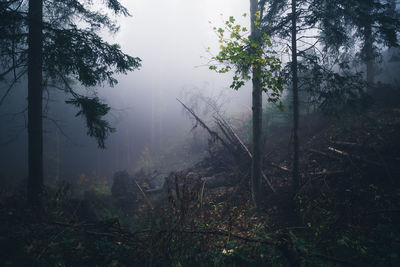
171, 37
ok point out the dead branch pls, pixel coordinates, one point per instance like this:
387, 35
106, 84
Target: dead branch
211, 132
244, 147
344, 143
343, 153
224, 124
279, 167
338, 151
144, 194
236, 136
223, 130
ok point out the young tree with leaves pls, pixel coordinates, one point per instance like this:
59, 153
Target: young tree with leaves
249, 56
53, 46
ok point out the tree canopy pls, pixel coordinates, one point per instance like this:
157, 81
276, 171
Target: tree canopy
73, 52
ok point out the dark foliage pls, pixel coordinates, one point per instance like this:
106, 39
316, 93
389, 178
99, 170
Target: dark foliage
93, 111
71, 52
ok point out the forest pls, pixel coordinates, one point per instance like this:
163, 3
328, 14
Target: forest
199, 133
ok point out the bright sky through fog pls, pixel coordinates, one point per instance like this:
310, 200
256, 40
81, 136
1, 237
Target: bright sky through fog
170, 36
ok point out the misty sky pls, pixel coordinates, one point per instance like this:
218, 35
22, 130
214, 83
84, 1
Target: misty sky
170, 36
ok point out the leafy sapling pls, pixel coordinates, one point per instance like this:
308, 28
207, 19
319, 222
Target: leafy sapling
242, 52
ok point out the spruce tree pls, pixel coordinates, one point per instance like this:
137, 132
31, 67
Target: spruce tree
60, 41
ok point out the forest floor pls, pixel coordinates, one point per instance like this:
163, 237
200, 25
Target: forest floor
346, 213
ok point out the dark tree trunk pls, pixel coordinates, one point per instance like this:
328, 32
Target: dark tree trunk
256, 169
35, 130
295, 178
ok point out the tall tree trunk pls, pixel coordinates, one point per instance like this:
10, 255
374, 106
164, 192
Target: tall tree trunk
35, 120
295, 174
256, 168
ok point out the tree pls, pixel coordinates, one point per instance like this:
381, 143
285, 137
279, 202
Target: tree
256, 167
319, 33
249, 56
295, 174
279, 21
56, 48
375, 24
35, 95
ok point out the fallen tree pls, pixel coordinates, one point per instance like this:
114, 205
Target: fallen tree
231, 140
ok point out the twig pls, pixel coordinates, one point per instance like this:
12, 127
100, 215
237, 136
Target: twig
338, 151
11, 86
202, 193
144, 195
344, 143
280, 167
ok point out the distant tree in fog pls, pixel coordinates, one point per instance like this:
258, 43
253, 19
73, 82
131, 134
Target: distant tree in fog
373, 24
57, 43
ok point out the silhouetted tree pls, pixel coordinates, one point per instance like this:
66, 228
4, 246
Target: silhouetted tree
35, 95
374, 24
55, 47
321, 33
295, 81
283, 21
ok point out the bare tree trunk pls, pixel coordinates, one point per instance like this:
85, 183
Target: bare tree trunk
35, 92
256, 168
295, 178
